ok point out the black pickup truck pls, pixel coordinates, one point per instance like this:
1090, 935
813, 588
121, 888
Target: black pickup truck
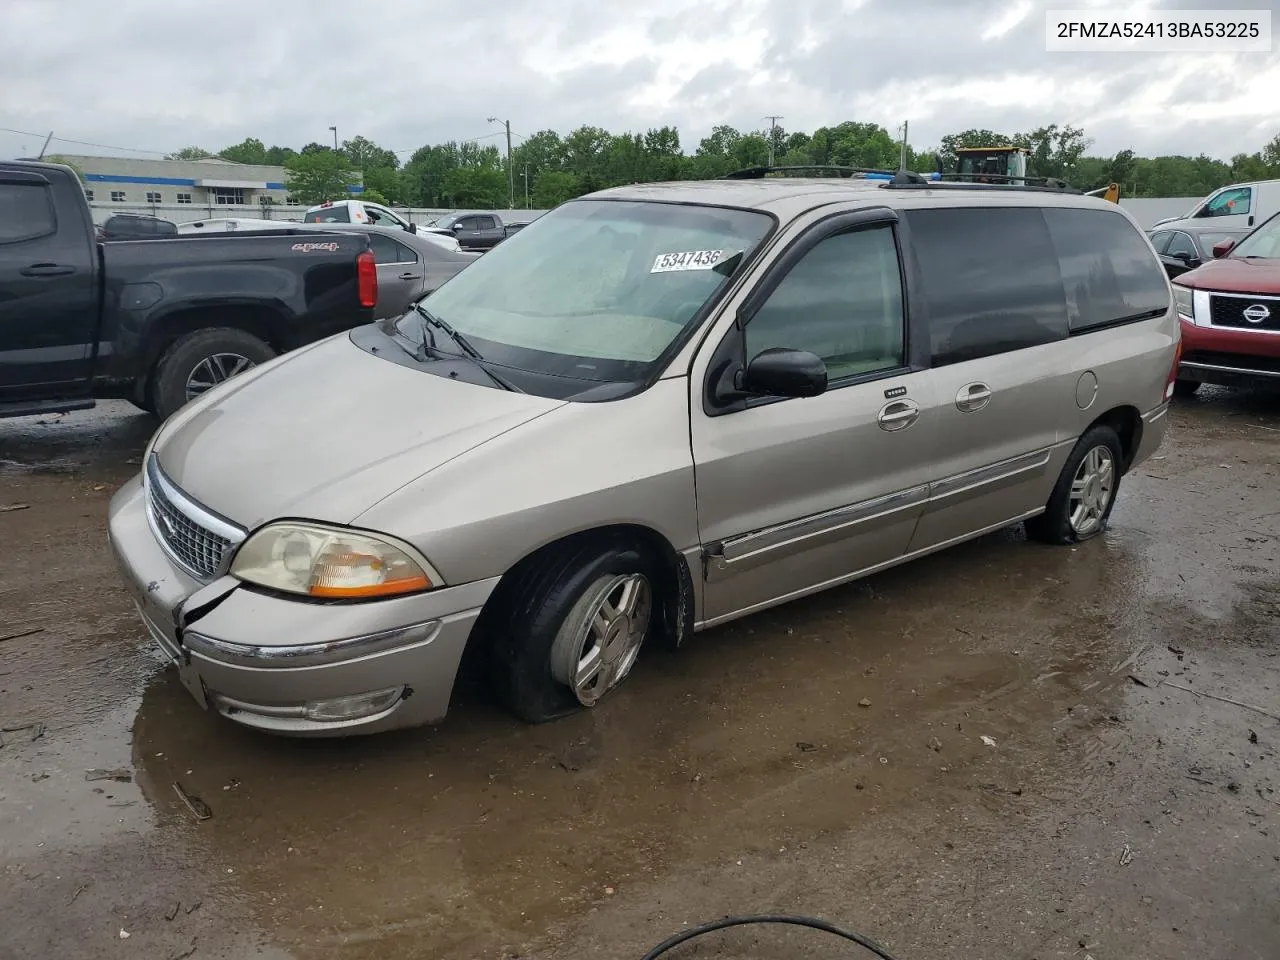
155, 321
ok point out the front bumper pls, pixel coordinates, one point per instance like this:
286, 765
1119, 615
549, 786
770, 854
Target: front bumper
1228, 356
289, 666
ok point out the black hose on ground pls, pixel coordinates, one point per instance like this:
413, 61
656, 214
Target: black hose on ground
795, 921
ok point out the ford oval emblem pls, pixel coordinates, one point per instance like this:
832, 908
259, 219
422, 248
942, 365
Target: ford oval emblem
1256, 313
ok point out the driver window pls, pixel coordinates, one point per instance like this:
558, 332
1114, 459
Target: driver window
1182, 245
1229, 203
843, 302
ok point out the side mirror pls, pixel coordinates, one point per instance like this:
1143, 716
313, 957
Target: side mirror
782, 372
1222, 248
1183, 256
457, 228
413, 228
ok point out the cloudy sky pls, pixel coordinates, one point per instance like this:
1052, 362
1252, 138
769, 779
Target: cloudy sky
156, 75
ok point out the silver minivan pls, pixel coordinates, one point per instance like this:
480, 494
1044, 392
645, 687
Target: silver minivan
655, 409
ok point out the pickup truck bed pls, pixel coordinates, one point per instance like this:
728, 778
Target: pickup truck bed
156, 321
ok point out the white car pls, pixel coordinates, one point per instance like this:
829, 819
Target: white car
374, 215
220, 224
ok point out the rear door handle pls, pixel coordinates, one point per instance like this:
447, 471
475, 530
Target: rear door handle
47, 270
972, 397
898, 415
410, 276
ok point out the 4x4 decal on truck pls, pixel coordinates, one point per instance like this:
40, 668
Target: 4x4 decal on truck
329, 247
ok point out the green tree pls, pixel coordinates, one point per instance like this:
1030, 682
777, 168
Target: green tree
367, 155
553, 187
189, 153
319, 176
1053, 150
279, 156
386, 182
373, 196
475, 186
249, 150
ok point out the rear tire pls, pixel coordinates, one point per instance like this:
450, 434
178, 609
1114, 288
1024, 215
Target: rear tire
1082, 499
202, 360
1185, 388
590, 598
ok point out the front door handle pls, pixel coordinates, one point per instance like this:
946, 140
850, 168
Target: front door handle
47, 270
973, 396
898, 415
410, 276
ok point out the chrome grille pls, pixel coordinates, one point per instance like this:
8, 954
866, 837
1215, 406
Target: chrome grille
185, 529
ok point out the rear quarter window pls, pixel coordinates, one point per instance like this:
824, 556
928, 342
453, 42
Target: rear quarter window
991, 280
1109, 275
26, 212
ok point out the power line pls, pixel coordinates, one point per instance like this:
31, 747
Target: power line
85, 143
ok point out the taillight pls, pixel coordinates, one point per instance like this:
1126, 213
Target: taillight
1173, 373
367, 279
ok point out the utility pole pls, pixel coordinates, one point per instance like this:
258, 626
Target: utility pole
511, 170
335, 139
902, 159
773, 125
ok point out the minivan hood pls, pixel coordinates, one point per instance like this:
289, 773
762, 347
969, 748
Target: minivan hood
327, 432
1235, 275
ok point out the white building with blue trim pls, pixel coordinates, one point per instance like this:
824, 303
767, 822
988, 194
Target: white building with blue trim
176, 188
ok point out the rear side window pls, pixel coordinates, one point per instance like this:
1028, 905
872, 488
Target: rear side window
328, 215
1108, 273
26, 212
487, 223
990, 279
384, 249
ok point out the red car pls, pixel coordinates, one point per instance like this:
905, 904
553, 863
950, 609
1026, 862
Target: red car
1230, 311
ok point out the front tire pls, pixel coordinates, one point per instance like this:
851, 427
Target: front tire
1082, 499
573, 628
202, 360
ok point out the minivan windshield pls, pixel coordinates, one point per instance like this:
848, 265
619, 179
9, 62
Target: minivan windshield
1263, 243
595, 290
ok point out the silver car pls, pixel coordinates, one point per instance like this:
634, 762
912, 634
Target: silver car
655, 409
410, 266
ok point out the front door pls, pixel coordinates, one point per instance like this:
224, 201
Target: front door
797, 494
49, 306
1231, 208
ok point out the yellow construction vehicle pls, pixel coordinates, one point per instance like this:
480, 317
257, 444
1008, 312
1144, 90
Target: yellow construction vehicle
1007, 164
1109, 193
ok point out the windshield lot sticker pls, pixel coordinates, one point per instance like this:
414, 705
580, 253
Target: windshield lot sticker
688, 260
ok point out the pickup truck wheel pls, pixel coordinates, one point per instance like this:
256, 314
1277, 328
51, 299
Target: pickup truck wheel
574, 628
202, 360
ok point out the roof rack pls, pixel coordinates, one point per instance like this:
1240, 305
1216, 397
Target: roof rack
993, 181
861, 173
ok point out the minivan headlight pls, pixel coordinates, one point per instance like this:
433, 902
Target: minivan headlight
1182, 299
314, 560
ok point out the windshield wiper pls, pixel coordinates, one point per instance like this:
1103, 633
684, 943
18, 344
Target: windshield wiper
469, 352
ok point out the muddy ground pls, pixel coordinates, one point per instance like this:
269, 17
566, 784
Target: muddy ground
1026, 782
